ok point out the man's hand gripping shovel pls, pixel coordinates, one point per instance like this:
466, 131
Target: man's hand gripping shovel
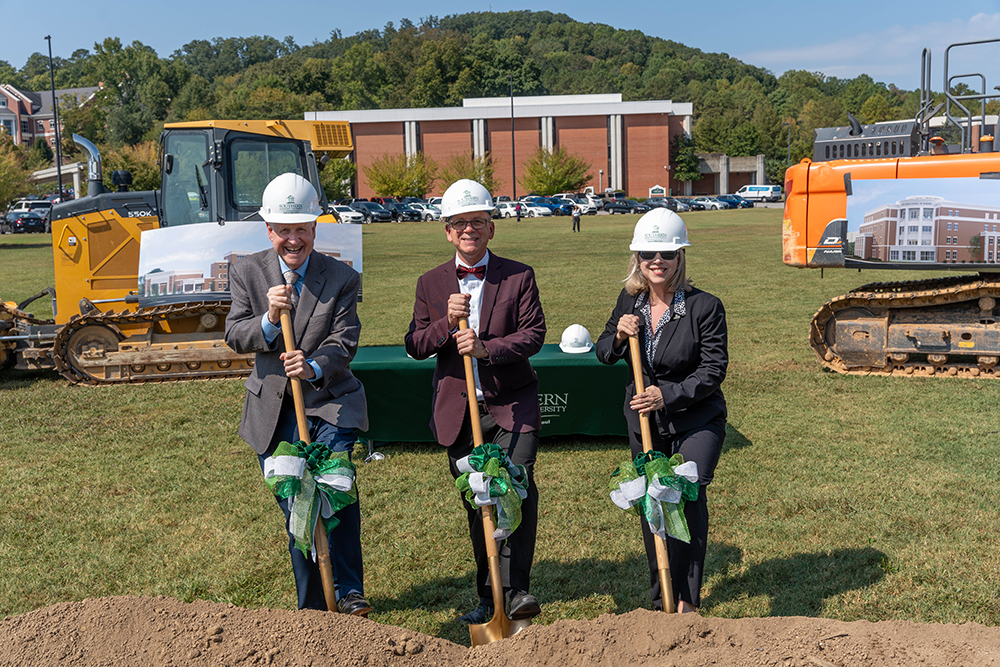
662, 563
319, 538
499, 627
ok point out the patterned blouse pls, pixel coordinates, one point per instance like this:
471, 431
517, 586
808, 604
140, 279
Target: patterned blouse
675, 310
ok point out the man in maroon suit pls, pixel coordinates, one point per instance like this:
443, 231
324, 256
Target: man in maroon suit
499, 297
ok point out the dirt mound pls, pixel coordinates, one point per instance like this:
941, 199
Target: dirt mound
154, 632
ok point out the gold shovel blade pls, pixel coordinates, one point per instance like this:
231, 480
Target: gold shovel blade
497, 628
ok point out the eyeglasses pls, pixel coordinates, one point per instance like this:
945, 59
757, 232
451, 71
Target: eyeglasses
462, 225
650, 255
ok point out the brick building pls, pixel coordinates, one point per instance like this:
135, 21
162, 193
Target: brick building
930, 229
627, 144
27, 116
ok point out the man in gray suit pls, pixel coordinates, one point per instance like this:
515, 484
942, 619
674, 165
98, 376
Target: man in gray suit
322, 294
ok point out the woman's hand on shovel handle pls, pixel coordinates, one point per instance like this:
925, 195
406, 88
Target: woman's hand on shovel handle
648, 401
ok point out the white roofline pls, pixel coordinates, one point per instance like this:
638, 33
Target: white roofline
524, 107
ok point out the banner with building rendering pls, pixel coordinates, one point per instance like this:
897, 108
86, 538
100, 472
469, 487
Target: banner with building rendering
191, 263
934, 223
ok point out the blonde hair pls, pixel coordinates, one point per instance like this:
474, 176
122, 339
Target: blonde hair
635, 282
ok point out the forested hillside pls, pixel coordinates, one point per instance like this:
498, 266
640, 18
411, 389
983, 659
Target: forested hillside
739, 109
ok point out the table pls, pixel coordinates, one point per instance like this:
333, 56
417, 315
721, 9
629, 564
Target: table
577, 394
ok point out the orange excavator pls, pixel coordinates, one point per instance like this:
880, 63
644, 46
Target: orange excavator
101, 332
910, 195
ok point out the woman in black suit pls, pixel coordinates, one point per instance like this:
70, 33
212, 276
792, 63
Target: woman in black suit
682, 335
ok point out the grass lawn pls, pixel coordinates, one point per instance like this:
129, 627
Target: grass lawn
843, 497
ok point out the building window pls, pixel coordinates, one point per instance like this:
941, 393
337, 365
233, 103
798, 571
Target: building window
894, 255
926, 255
927, 229
40, 125
914, 213
3, 102
25, 127
914, 228
928, 213
909, 255
925, 241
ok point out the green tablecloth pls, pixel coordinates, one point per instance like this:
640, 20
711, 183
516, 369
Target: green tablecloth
577, 393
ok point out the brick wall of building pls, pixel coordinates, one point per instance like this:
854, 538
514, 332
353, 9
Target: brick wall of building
587, 138
441, 140
526, 142
372, 141
647, 152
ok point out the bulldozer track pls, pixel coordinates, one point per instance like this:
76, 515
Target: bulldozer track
86, 349
13, 314
957, 348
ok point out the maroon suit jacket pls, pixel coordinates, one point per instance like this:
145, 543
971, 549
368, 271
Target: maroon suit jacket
511, 326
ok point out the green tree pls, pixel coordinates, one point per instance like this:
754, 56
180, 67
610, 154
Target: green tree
13, 175
975, 247
139, 160
479, 169
548, 172
684, 160
135, 93
875, 110
337, 177
402, 175
39, 155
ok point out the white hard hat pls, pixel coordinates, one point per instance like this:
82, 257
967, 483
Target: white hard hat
465, 196
289, 199
660, 229
575, 339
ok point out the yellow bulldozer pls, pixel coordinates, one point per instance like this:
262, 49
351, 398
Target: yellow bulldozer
211, 172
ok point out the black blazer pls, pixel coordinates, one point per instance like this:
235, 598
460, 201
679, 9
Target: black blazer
689, 363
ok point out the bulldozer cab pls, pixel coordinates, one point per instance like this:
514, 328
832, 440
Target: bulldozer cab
216, 174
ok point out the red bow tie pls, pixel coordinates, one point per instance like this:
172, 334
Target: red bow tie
479, 272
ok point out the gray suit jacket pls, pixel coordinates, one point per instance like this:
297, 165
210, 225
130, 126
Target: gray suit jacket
326, 329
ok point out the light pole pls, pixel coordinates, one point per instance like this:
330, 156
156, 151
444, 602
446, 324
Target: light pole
55, 111
789, 125
513, 162
600, 181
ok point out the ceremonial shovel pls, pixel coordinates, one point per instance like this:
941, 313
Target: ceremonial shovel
662, 564
320, 543
500, 626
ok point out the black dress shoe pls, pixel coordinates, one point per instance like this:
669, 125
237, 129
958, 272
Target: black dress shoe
522, 605
354, 604
479, 615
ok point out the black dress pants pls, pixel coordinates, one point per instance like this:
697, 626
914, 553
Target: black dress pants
687, 560
518, 551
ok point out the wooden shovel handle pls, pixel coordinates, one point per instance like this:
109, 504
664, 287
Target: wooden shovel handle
486, 511
320, 542
662, 560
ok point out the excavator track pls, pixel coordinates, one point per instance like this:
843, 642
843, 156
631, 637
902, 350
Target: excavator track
94, 349
937, 327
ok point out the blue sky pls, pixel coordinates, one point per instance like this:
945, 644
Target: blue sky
840, 39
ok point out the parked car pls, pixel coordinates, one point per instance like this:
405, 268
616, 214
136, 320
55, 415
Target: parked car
508, 209
373, 212
692, 203
624, 206
347, 215
501, 198
711, 204
403, 212
436, 201
736, 201
587, 207
657, 202
760, 192
40, 206
557, 207
428, 212
385, 201
411, 200
677, 205
22, 222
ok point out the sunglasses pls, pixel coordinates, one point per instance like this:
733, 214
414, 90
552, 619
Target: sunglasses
462, 225
650, 255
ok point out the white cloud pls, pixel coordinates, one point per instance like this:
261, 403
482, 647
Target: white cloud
893, 55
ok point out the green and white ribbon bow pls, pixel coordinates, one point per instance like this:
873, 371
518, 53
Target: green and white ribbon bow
317, 482
656, 488
489, 478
